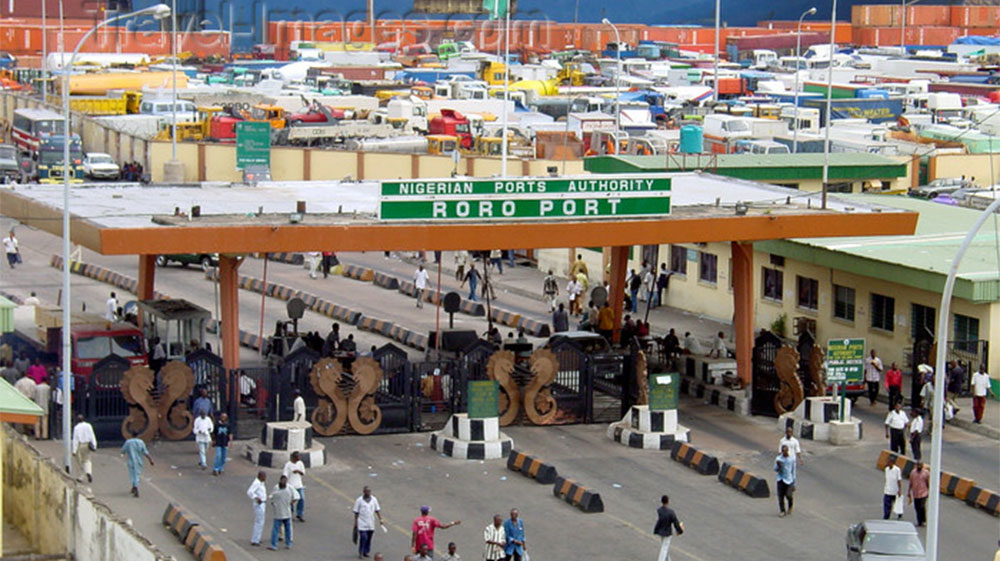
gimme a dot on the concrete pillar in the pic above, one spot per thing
(619, 266)
(229, 310)
(743, 308)
(147, 276)
(173, 171)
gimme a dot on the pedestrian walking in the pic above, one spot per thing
(28, 388)
(894, 384)
(329, 261)
(784, 466)
(918, 491)
(420, 283)
(956, 377)
(496, 260)
(314, 258)
(37, 371)
(461, 260)
(202, 404)
(916, 433)
(606, 321)
(980, 389)
(43, 398)
(135, 452)
(895, 429)
(294, 471)
(496, 540)
(111, 307)
(424, 554)
(793, 445)
(222, 439)
(573, 291)
(423, 528)
(666, 524)
(560, 319)
(550, 290)
(203, 428)
(472, 277)
(283, 499)
(662, 284)
(84, 443)
(10, 247)
(452, 554)
(578, 267)
(513, 528)
(298, 407)
(634, 284)
(648, 285)
(873, 375)
(892, 490)
(258, 499)
(366, 508)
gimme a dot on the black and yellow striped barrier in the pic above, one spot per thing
(744, 481)
(531, 467)
(694, 458)
(984, 499)
(577, 495)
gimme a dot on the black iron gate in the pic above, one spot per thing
(102, 403)
(573, 388)
(290, 374)
(805, 346)
(765, 382)
(923, 353)
(397, 395)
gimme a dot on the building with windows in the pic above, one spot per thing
(886, 290)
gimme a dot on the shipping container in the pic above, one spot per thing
(889, 36)
(975, 16)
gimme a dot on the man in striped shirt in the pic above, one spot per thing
(496, 540)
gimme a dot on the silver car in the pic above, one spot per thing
(884, 540)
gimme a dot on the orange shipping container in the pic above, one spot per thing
(889, 36)
(872, 15)
(975, 16)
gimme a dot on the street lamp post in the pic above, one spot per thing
(715, 59)
(618, 77)
(829, 102)
(159, 11)
(798, 57)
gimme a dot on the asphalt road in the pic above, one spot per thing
(837, 486)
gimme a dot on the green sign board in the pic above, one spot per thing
(613, 185)
(662, 392)
(483, 399)
(845, 360)
(253, 144)
(521, 199)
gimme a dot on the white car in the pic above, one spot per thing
(98, 165)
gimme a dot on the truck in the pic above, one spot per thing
(452, 123)
(38, 331)
(48, 164)
(330, 134)
(127, 103)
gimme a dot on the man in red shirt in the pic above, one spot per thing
(423, 529)
(894, 384)
(918, 491)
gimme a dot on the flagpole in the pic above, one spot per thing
(506, 90)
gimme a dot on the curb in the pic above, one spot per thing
(191, 534)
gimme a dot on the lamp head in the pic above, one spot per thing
(606, 21)
(811, 11)
(158, 11)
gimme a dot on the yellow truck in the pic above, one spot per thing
(126, 104)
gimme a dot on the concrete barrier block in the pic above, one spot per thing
(577, 495)
(984, 499)
(531, 467)
(744, 481)
(695, 459)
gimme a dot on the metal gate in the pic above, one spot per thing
(805, 346)
(102, 403)
(292, 373)
(765, 382)
(923, 353)
(208, 371)
(573, 388)
(398, 394)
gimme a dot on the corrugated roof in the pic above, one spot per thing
(758, 167)
(921, 260)
(800, 160)
(14, 407)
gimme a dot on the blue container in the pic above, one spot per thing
(691, 140)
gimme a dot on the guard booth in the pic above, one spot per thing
(176, 322)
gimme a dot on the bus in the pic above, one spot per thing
(31, 125)
(49, 161)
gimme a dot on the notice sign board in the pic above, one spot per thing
(662, 392)
(253, 144)
(521, 199)
(483, 399)
(845, 360)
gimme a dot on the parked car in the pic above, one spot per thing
(97, 165)
(884, 540)
(941, 186)
(9, 168)
(207, 261)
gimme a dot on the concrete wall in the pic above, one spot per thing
(217, 162)
(55, 515)
(969, 165)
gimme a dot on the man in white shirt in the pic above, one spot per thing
(32, 300)
(294, 470)
(420, 283)
(980, 389)
(11, 249)
(366, 508)
(719, 349)
(299, 407)
(28, 388)
(573, 291)
(916, 433)
(111, 308)
(258, 498)
(873, 375)
(314, 259)
(895, 427)
(794, 448)
(692, 345)
(892, 490)
(43, 397)
(203, 427)
(84, 442)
